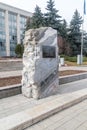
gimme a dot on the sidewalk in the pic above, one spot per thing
(10, 73)
(19, 112)
(62, 68)
(73, 118)
(19, 72)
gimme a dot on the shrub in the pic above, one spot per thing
(85, 59)
(19, 49)
(69, 58)
(72, 58)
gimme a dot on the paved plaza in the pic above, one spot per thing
(73, 118)
(17, 103)
(80, 67)
(10, 65)
(18, 107)
(15, 71)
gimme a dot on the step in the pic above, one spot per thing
(28, 117)
(12, 90)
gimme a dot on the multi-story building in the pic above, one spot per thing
(12, 25)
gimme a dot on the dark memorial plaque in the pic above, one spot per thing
(48, 52)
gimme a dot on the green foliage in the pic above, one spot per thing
(72, 58)
(74, 35)
(37, 20)
(28, 23)
(84, 59)
(52, 19)
(71, 36)
(68, 58)
(19, 49)
(49, 19)
(64, 30)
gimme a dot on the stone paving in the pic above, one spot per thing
(10, 65)
(82, 67)
(18, 103)
(73, 118)
(17, 70)
(10, 73)
(38, 111)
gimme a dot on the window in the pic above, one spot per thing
(2, 33)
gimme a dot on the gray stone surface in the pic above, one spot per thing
(72, 78)
(40, 64)
(73, 118)
(17, 111)
(16, 89)
(14, 104)
(10, 65)
(38, 111)
(10, 73)
(8, 91)
(81, 67)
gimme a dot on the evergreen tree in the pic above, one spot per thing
(28, 23)
(37, 19)
(65, 48)
(74, 36)
(52, 19)
(64, 29)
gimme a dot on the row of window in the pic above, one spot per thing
(12, 31)
(2, 13)
(2, 32)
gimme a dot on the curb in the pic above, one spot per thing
(33, 115)
(16, 89)
(72, 78)
(8, 91)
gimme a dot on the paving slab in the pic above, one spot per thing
(17, 70)
(19, 112)
(81, 67)
(67, 119)
(17, 103)
(10, 73)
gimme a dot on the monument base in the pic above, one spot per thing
(47, 87)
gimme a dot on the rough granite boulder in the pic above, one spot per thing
(40, 60)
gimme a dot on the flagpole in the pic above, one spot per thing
(82, 40)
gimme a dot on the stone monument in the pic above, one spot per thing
(40, 60)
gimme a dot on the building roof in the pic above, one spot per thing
(15, 10)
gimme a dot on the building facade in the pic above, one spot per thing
(12, 25)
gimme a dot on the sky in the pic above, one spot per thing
(66, 7)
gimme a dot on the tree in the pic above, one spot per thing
(85, 43)
(52, 19)
(64, 47)
(74, 36)
(37, 19)
(28, 23)
(64, 29)
(19, 49)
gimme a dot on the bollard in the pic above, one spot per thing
(62, 61)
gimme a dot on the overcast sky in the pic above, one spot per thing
(66, 7)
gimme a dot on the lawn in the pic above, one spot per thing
(68, 63)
